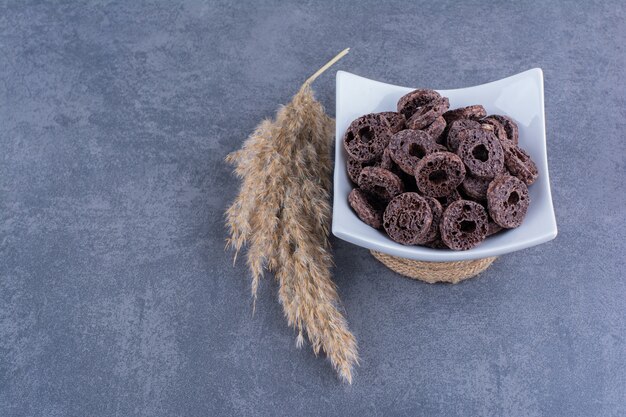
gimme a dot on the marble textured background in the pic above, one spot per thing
(116, 295)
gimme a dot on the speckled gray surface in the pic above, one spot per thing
(116, 295)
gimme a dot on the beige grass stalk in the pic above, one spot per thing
(282, 213)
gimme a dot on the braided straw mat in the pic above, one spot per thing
(432, 272)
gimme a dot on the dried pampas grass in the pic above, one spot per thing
(282, 213)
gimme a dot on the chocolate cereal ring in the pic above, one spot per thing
(354, 168)
(367, 137)
(436, 244)
(409, 103)
(474, 112)
(428, 113)
(512, 131)
(481, 153)
(436, 129)
(439, 173)
(453, 140)
(519, 163)
(368, 209)
(407, 147)
(381, 183)
(493, 227)
(508, 200)
(395, 120)
(493, 125)
(407, 219)
(437, 210)
(385, 161)
(463, 225)
(475, 188)
(446, 200)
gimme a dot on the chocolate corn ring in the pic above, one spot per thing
(454, 132)
(474, 112)
(512, 131)
(395, 120)
(381, 183)
(367, 208)
(410, 102)
(437, 211)
(508, 200)
(367, 137)
(463, 225)
(407, 219)
(439, 173)
(475, 188)
(492, 124)
(481, 153)
(519, 163)
(436, 129)
(446, 200)
(408, 147)
(428, 113)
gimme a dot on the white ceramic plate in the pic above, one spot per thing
(519, 96)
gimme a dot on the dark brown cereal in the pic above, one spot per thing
(395, 157)
(407, 219)
(492, 124)
(475, 188)
(493, 227)
(436, 129)
(381, 183)
(519, 163)
(481, 153)
(463, 225)
(437, 211)
(512, 131)
(474, 112)
(367, 137)
(407, 147)
(428, 113)
(396, 120)
(408, 180)
(354, 168)
(368, 209)
(385, 161)
(439, 173)
(454, 132)
(508, 201)
(446, 200)
(436, 244)
(408, 104)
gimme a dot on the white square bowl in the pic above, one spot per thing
(519, 96)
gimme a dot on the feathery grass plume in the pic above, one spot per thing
(282, 213)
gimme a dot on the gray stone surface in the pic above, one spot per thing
(116, 295)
